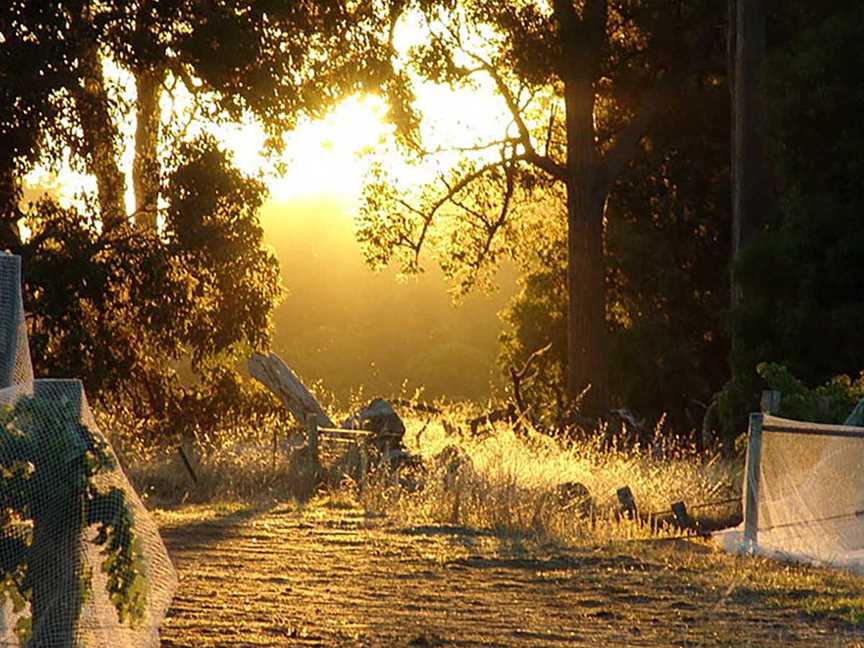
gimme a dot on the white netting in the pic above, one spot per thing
(810, 494)
(15, 366)
(81, 560)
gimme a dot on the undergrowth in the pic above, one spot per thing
(500, 479)
(507, 482)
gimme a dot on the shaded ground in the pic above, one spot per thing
(331, 576)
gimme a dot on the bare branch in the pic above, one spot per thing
(503, 212)
(475, 148)
(543, 162)
(453, 190)
(549, 129)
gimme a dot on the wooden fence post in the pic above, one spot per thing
(770, 403)
(364, 464)
(751, 480)
(312, 439)
(628, 503)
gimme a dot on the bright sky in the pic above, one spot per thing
(328, 157)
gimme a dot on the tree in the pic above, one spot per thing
(581, 83)
(667, 236)
(115, 295)
(800, 298)
(752, 190)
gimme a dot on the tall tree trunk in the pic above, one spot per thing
(145, 166)
(751, 186)
(100, 139)
(583, 41)
(587, 362)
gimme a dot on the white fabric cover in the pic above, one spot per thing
(65, 415)
(810, 495)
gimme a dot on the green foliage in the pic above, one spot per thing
(802, 299)
(501, 193)
(49, 464)
(828, 403)
(116, 307)
(667, 241)
(119, 305)
(473, 213)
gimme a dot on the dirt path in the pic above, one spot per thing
(334, 577)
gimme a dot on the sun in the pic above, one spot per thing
(326, 157)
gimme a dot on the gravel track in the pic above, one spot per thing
(332, 576)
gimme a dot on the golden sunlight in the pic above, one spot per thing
(323, 157)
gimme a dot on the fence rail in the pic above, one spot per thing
(825, 430)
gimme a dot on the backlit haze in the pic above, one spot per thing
(339, 322)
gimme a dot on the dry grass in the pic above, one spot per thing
(497, 480)
(506, 482)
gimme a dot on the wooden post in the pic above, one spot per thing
(276, 376)
(683, 520)
(627, 502)
(770, 403)
(364, 464)
(15, 366)
(823, 407)
(186, 450)
(10, 284)
(312, 439)
(751, 480)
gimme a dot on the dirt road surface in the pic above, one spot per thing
(333, 576)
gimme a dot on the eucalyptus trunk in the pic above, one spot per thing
(587, 347)
(587, 361)
(100, 139)
(145, 166)
(751, 186)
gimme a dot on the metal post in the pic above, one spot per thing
(10, 293)
(751, 480)
(770, 403)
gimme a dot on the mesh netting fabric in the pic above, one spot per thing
(81, 560)
(15, 366)
(810, 494)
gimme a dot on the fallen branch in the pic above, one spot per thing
(276, 376)
(517, 376)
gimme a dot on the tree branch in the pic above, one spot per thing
(543, 162)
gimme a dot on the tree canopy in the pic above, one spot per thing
(116, 294)
(583, 85)
(801, 299)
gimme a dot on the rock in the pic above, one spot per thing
(576, 496)
(381, 419)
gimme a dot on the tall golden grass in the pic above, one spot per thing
(507, 481)
(501, 479)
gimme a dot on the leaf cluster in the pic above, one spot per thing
(115, 307)
(830, 402)
(801, 297)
